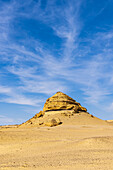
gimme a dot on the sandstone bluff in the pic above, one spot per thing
(61, 101)
(61, 109)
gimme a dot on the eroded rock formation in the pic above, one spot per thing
(61, 101)
(56, 110)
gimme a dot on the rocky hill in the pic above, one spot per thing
(62, 109)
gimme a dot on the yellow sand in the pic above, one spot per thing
(84, 144)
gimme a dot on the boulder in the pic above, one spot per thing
(52, 122)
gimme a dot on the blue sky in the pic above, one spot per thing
(55, 45)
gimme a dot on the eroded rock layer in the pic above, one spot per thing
(61, 101)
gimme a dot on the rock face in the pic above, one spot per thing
(58, 109)
(61, 101)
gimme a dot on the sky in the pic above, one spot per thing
(55, 45)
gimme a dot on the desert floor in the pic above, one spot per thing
(65, 147)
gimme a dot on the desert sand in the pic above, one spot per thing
(81, 141)
(61, 147)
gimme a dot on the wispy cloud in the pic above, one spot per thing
(15, 96)
(37, 67)
(5, 90)
(31, 79)
(5, 120)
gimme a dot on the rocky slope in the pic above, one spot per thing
(62, 109)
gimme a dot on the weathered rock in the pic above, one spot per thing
(80, 108)
(67, 113)
(41, 113)
(52, 122)
(41, 122)
(58, 106)
(61, 101)
(31, 121)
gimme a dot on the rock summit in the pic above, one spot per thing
(61, 101)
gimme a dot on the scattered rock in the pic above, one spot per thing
(40, 114)
(68, 113)
(52, 122)
(41, 122)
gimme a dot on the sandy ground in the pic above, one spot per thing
(65, 147)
